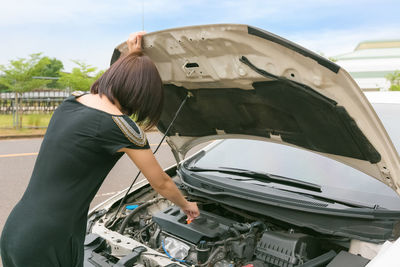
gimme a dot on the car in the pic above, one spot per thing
(299, 168)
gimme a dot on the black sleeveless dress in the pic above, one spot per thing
(47, 227)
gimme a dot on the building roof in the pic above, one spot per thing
(371, 54)
(373, 50)
(371, 62)
(376, 44)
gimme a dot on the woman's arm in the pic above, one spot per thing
(160, 181)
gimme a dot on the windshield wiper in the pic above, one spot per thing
(261, 176)
(336, 200)
(267, 177)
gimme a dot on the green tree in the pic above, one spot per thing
(81, 78)
(2, 86)
(17, 77)
(51, 67)
(394, 79)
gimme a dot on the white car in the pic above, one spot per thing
(304, 172)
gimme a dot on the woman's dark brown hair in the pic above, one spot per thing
(134, 81)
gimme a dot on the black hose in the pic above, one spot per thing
(259, 224)
(213, 256)
(245, 227)
(224, 241)
(242, 227)
(134, 212)
(234, 231)
(144, 229)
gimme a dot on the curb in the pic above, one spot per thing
(21, 136)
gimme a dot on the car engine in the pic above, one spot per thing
(220, 236)
(215, 239)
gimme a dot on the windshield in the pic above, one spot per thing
(335, 178)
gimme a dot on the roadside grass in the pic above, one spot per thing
(28, 120)
(32, 124)
(5, 133)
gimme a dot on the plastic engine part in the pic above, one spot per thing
(206, 226)
(286, 249)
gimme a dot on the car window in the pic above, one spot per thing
(336, 178)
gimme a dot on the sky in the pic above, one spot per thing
(88, 30)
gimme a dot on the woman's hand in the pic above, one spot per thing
(135, 41)
(191, 210)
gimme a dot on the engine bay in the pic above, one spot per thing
(151, 231)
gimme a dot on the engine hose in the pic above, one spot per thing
(223, 242)
(212, 257)
(144, 229)
(234, 231)
(246, 227)
(242, 227)
(134, 212)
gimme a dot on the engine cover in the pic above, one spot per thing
(207, 226)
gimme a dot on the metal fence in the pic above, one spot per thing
(34, 108)
(32, 102)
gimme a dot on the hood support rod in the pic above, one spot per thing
(111, 222)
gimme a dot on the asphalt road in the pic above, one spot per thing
(17, 158)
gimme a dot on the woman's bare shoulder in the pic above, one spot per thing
(100, 103)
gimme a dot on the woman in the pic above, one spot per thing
(85, 138)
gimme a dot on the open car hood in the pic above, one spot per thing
(243, 82)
